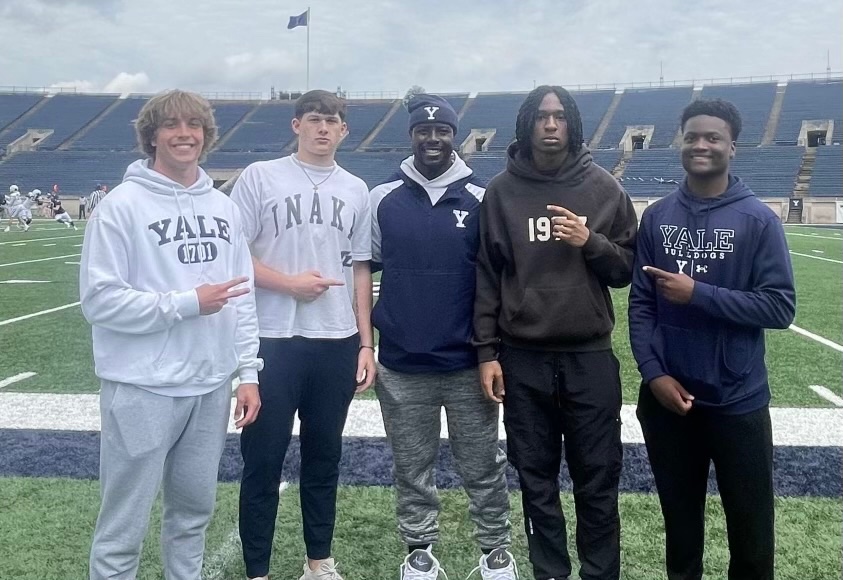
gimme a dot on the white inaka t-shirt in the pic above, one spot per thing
(292, 229)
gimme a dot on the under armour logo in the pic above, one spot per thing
(702, 269)
(681, 264)
(430, 112)
(460, 215)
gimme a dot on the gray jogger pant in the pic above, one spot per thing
(411, 404)
(151, 441)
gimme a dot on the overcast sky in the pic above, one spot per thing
(389, 45)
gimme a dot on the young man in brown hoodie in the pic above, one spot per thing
(556, 231)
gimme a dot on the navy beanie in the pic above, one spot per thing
(432, 109)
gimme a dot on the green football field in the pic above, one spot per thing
(46, 523)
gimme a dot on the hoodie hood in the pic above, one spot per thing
(572, 172)
(141, 173)
(458, 170)
(736, 191)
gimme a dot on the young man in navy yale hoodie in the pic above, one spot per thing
(424, 237)
(556, 231)
(712, 272)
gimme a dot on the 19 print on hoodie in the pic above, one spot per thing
(146, 248)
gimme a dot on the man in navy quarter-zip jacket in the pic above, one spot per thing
(425, 236)
(556, 231)
(712, 271)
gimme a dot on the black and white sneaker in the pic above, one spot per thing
(499, 564)
(421, 565)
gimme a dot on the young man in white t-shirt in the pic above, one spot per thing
(308, 224)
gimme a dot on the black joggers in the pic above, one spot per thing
(315, 377)
(681, 449)
(575, 395)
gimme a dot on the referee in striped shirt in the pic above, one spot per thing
(96, 197)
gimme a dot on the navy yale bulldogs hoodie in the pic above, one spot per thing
(537, 292)
(424, 236)
(734, 248)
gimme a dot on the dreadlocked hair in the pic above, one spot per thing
(529, 111)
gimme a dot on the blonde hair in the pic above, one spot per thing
(174, 104)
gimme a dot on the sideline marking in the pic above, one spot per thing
(816, 257)
(34, 314)
(815, 236)
(16, 378)
(827, 394)
(42, 239)
(53, 258)
(24, 281)
(817, 337)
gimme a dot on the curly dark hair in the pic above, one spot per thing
(715, 108)
(528, 112)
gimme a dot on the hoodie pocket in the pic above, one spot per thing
(710, 365)
(569, 314)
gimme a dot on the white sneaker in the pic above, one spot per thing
(421, 565)
(327, 571)
(7, 229)
(498, 564)
(26, 228)
(259, 578)
(67, 225)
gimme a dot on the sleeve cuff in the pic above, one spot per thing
(593, 245)
(249, 375)
(652, 369)
(702, 295)
(187, 304)
(487, 353)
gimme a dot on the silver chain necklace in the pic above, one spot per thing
(310, 179)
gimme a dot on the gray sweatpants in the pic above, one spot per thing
(411, 406)
(149, 440)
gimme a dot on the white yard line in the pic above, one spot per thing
(34, 314)
(43, 239)
(73, 263)
(800, 427)
(40, 260)
(817, 337)
(16, 379)
(217, 561)
(48, 245)
(816, 257)
(827, 394)
(814, 236)
(16, 245)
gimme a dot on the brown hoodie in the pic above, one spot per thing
(534, 291)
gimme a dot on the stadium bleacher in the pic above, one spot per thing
(827, 177)
(14, 105)
(268, 129)
(115, 131)
(102, 151)
(754, 103)
(658, 107)
(65, 114)
(808, 101)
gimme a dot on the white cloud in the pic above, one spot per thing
(128, 83)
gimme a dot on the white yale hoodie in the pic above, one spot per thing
(150, 243)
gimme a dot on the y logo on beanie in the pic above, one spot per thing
(431, 109)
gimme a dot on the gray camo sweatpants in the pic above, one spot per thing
(411, 404)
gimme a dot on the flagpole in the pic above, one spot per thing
(307, 83)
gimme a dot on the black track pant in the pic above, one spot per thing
(575, 395)
(681, 449)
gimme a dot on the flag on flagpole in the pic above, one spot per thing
(296, 21)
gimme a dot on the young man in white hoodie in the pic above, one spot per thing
(308, 224)
(425, 237)
(165, 282)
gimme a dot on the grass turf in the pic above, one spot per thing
(46, 526)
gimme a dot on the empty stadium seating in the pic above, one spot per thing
(361, 119)
(75, 171)
(754, 103)
(115, 131)
(492, 111)
(659, 107)
(65, 114)
(14, 105)
(808, 101)
(593, 106)
(268, 129)
(827, 177)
